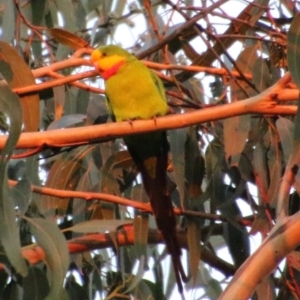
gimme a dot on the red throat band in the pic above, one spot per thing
(112, 71)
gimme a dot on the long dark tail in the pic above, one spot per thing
(152, 160)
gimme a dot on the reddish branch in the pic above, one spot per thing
(125, 237)
(88, 196)
(51, 71)
(266, 103)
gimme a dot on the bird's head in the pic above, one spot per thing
(108, 59)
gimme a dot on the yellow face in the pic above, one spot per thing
(104, 62)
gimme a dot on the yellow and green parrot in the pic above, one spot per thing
(135, 92)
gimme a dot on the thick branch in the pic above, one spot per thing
(264, 103)
(283, 238)
(125, 237)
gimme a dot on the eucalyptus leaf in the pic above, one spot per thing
(100, 226)
(194, 237)
(9, 233)
(293, 49)
(68, 14)
(7, 20)
(67, 122)
(136, 279)
(285, 129)
(35, 285)
(18, 74)
(21, 193)
(53, 242)
(177, 140)
(236, 130)
(68, 38)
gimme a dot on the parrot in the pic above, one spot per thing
(135, 92)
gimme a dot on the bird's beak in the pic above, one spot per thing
(96, 55)
(96, 66)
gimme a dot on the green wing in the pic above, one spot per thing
(110, 110)
(159, 85)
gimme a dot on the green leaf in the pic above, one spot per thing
(76, 291)
(141, 229)
(18, 74)
(236, 130)
(285, 129)
(65, 173)
(261, 74)
(194, 166)
(244, 62)
(68, 38)
(109, 179)
(68, 14)
(7, 20)
(136, 279)
(9, 232)
(293, 49)
(21, 193)
(177, 144)
(53, 242)
(38, 11)
(260, 165)
(193, 237)
(68, 121)
(100, 226)
(35, 285)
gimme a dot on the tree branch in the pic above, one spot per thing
(125, 237)
(283, 238)
(264, 103)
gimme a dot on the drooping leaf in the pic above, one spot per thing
(141, 228)
(53, 242)
(18, 74)
(260, 166)
(177, 144)
(109, 173)
(136, 279)
(261, 74)
(66, 9)
(245, 61)
(236, 130)
(38, 11)
(21, 193)
(261, 223)
(7, 21)
(274, 156)
(68, 38)
(12, 291)
(100, 226)
(140, 224)
(293, 49)
(194, 166)
(67, 121)
(35, 285)
(75, 290)
(96, 111)
(9, 234)
(64, 174)
(194, 237)
(285, 129)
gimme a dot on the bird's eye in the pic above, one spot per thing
(104, 54)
